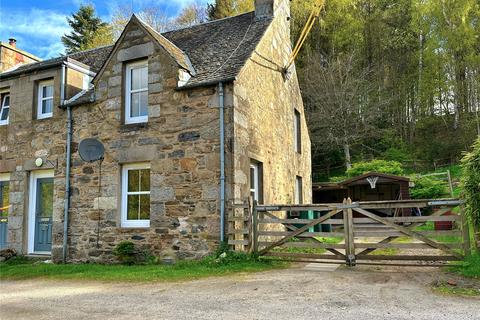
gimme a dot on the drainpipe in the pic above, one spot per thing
(66, 204)
(222, 162)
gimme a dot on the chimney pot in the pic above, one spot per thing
(12, 42)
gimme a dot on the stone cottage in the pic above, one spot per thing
(190, 120)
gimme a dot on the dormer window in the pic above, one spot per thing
(45, 99)
(136, 99)
(5, 108)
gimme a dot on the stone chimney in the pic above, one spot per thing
(270, 8)
(12, 42)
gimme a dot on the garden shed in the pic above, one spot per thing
(371, 186)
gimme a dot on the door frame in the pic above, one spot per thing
(32, 204)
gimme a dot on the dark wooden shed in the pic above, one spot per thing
(372, 186)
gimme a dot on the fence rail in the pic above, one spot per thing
(351, 232)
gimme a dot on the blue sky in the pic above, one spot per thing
(39, 25)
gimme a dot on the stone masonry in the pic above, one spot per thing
(180, 141)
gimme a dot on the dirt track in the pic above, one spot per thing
(299, 293)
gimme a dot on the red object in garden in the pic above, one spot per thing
(444, 225)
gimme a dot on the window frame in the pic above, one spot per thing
(297, 131)
(298, 190)
(41, 98)
(125, 223)
(128, 91)
(4, 96)
(257, 180)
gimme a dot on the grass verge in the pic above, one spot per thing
(469, 268)
(449, 290)
(21, 268)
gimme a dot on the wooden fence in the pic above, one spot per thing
(352, 233)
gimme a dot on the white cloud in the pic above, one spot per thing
(37, 31)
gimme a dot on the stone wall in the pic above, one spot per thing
(265, 101)
(23, 140)
(181, 143)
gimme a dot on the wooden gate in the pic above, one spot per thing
(353, 233)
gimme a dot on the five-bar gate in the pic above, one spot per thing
(353, 233)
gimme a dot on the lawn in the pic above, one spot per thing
(22, 268)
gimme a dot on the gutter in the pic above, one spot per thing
(222, 161)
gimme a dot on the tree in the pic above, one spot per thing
(84, 24)
(102, 37)
(154, 16)
(192, 14)
(471, 184)
(227, 8)
(338, 113)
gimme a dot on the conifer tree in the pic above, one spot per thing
(85, 24)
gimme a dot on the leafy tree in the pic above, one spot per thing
(471, 183)
(427, 188)
(227, 8)
(380, 166)
(102, 37)
(85, 24)
(192, 14)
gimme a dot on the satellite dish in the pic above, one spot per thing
(91, 150)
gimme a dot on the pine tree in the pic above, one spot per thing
(84, 24)
(227, 8)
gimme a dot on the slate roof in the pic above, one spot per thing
(216, 50)
(93, 58)
(219, 49)
(179, 56)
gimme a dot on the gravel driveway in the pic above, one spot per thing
(306, 292)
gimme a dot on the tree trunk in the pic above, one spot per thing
(348, 160)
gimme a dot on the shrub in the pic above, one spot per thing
(427, 188)
(125, 252)
(380, 166)
(471, 183)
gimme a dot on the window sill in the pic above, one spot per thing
(135, 225)
(44, 117)
(133, 126)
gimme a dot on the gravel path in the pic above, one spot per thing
(307, 292)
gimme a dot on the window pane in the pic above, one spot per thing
(133, 180)
(4, 115)
(6, 101)
(252, 178)
(139, 78)
(144, 180)
(135, 104)
(47, 91)
(45, 197)
(145, 206)
(47, 106)
(132, 207)
(143, 108)
(4, 193)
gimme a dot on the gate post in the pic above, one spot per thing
(255, 227)
(349, 238)
(467, 250)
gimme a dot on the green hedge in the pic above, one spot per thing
(471, 183)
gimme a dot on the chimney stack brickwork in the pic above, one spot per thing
(11, 56)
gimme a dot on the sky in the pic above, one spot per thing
(39, 25)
